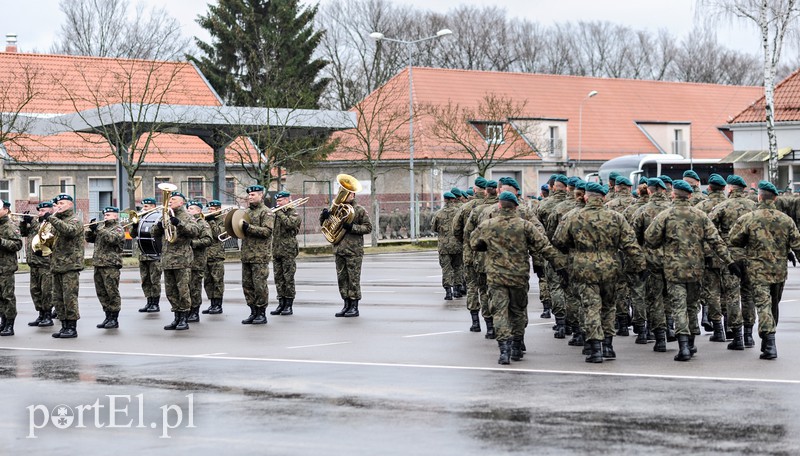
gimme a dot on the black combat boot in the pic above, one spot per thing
(587, 347)
(183, 321)
(738, 340)
(749, 342)
(57, 335)
(261, 316)
(650, 335)
(546, 312)
(457, 292)
(505, 349)
(641, 336)
(704, 321)
(671, 330)
(489, 328)
(113, 320)
(683, 348)
(70, 331)
(174, 323)
(476, 321)
(516, 348)
(216, 306)
(595, 351)
(210, 306)
(193, 316)
(567, 330)
(728, 331)
(104, 322)
(622, 326)
(561, 324)
(8, 328)
(53, 313)
(47, 319)
(448, 293)
(154, 307)
(353, 310)
(577, 337)
(692, 347)
(38, 319)
(608, 348)
(661, 340)
(769, 351)
(719, 332)
(287, 308)
(347, 304)
(147, 306)
(279, 309)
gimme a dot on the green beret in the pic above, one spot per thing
(149, 201)
(44, 204)
(622, 180)
(562, 178)
(282, 194)
(6, 203)
(196, 203)
(692, 174)
(449, 195)
(642, 180)
(544, 188)
(767, 185)
(656, 182)
(553, 177)
(215, 203)
(470, 192)
(605, 188)
(456, 192)
(177, 193)
(681, 184)
(613, 175)
(716, 179)
(108, 209)
(508, 196)
(254, 188)
(666, 179)
(480, 182)
(509, 181)
(734, 179)
(62, 196)
(594, 187)
(491, 184)
(581, 185)
(572, 181)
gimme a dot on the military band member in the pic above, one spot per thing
(10, 244)
(200, 246)
(256, 255)
(449, 247)
(462, 235)
(176, 258)
(66, 263)
(711, 290)
(41, 285)
(476, 216)
(149, 268)
(108, 237)
(214, 276)
(284, 251)
(693, 179)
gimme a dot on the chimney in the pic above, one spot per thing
(11, 42)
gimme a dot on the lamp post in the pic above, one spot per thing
(378, 36)
(580, 123)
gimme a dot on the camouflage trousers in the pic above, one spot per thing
(348, 274)
(284, 269)
(748, 304)
(767, 297)
(509, 311)
(684, 297)
(544, 289)
(214, 279)
(196, 287)
(8, 301)
(451, 269)
(150, 271)
(41, 288)
(254, 284)
(731, 297)
(710, 293)
(473, 293)
(556, 288)
(106, 287)
(573, 306)
(65, 294)
(622, 298)
(177, 283)
(637, 288)
(654, 292)
(599, 309)
(485, 296)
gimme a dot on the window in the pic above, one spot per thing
(554, 143)
(159, 194)
(678, 144)
(229, 195)
(5, 190)
(494, 133)
(33, 186)
(65, 185)
(195, 188)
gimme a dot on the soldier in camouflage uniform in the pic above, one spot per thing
(176, 259)
(108, 238)
(668, 182)
(476, 216)
(285, 250)
(622, 200)
(41, 285)
(256, 255)
(691, 178)
(470, 275)
(449, 248)
(509, 241)
(200, 245)
(767, 237)
(712, 311)
(10, 244)
(214, 276)
(149, 267)
(66, 263)
(684, 231)
(562, 327)
(591, 237)
(555, 287)
(642, 198)
(349, 255)
(724, 216)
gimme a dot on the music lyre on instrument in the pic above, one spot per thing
(340, 213)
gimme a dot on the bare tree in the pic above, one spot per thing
(104, 28)
(20, 84)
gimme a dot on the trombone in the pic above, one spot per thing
(134, 217)
(291, 204)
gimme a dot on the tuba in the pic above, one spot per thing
(170, 231)
(340, 213)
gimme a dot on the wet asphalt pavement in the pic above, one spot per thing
(407, 377)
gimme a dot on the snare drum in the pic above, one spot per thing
(149, 245)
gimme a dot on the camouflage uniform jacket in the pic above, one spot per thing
(476, 217)
(460, 222)
(528, 213)
(29, 230)
(630, 210)
(593, 237)
(725, 214)
(108, 239)
(10, 244)
(284, 236)
(508, 241)
(621, 202)
(352, 244)
(557, 214)
(547, 206)
(642, 219)
(767, 235)
(216, 251)
(178, 254)
(68, 248)
(443, 225)
(713, 199)
(683, 231)
(697, 195)
(257, 242)
(200, 244)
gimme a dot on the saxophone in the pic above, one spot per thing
(340, 213)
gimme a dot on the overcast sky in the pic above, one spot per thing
(36, 22)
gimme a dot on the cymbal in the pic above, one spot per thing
(238, 218)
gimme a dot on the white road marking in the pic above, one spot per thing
(378, 291)
(433, 334)
(541, 324)
(421, 366)
(433, 276)
(320, 345)
(208, 354)
(790, 300)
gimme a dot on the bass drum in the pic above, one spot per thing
(149, 245)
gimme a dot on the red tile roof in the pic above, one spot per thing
(609, 128)
(787, 103)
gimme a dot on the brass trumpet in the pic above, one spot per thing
(291, 204)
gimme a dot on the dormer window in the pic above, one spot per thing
(494, 134)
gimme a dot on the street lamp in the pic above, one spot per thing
(580, 123)
(378, 36)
